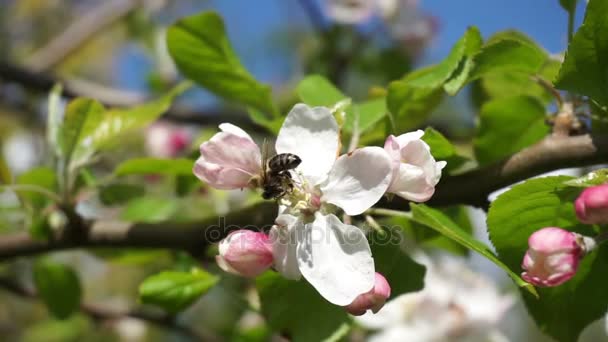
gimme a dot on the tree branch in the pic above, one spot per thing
(470, 188)
(79, 32)
(112, 97)
(191, 237)
(552, 153)
(103, 313)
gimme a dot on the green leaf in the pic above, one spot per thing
(155, 166)
(435, 219)
(117, 121)
(273, 125)
(403, 274)
(508, 55)
(81, 119)
(442, 149)
(316, 90)
(200, 48)
(174, 291)
(508, 84)
(412, 99)
(460, 76)
(59, 288)
(411, 105)
(149, 209)
(585, 67)
(562, 311)
(295, 309)
(507, 125)
(41, 177)
(368, 113)
(593, 178)
(453, 65)
(39, 227)
(120, 193)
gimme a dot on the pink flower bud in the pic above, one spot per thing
(553, 256)
(229, 159)
(165, 140)
(592, 205)
(245, 253)
(373, 300)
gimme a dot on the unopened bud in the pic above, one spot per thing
(373, 300)
(592, 205)
(553, 256)
(245, 253)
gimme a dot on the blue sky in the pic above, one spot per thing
(543, 20)
(261, 30)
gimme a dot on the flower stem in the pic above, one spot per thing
(571, 15)
(388, 212)
(372, 223)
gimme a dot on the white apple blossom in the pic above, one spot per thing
(456, 304)
(357, 11)
(415, 170)
(308, 239)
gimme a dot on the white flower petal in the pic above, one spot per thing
(358, 180)
(284, 237)
(313, 135)
(410, 182)
(230, 128)
(336, 259)
(404, 139)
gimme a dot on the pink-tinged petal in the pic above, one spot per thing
(358, 180)
(406, 138)
(284, 238)
(415, 171)
(553, 256)
(552, 239)
(313, 135)
(245, 253)
(592, 205)
(373, 300)
(230, 128)
(229, 159)
(336, 260)
(220, 177)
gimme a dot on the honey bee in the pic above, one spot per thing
(276, 180)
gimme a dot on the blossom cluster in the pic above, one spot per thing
(456, 304)
(403, 20)
(554, 254)
(308, 239)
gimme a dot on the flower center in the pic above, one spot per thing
(304, 198)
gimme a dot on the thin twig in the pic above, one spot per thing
(99, 312)
(79, 32)
(32, 188)
(549, 87)
(111, 97)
